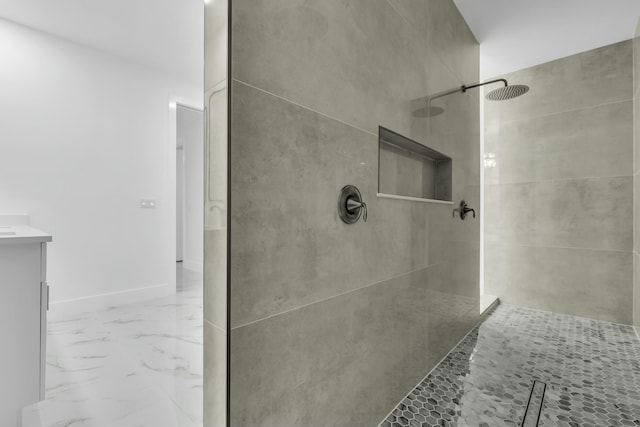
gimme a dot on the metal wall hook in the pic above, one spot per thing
(463, 210)
(351, 206)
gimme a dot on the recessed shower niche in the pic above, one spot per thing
(412, 171)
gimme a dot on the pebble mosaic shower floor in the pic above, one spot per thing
(591, 370)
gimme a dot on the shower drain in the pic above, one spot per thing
(534, 405)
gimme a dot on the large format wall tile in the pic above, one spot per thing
(460, 112)
(215, 375)
(289, 246)
(636, 106)
(415, 13)
(458, 272)
(452, 40)
(357, 61)
(492, 211)
(636, 178)
(636, 291)
(359, 347)
(595, 77)
(636, 248)
(636, 213)
(583, 213)
(450, 318)
(456, 133)
(581, 282)
(636, 60)
(636, 133)
(442, 28)
(215, 277)
(590, 142)
(344, 361)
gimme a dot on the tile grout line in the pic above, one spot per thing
(427, 44)
(562, 247)
(215, 326)
(326, 299)
(305, 107)
(483, 316)
(556, 113)
(543, 181)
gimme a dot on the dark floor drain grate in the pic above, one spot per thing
(534, 405)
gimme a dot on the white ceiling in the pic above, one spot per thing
(168, 34)
(516, 34)
(164, 34)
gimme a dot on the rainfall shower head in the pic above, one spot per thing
(502, 93)
(507, 92)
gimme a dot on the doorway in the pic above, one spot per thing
(189, 187)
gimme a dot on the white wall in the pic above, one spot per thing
(190, 135)
(179, 201)
(83, 136)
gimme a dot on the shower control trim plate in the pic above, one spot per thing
(351, 206)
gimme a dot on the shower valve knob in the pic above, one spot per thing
(463, 210)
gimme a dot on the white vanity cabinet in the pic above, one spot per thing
(23, 319)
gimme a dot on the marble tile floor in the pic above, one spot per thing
(591, 370)
(128, 366)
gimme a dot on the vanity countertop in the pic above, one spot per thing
(14, 234)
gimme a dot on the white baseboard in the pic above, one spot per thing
(111, 299)
(192, 265)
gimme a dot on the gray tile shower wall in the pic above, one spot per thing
(636, 179)
(321, 312)
(559, 200)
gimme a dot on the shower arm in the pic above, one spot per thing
(463, 89)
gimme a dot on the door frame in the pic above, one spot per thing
(172, 144)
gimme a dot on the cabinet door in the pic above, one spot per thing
(20, 325)
(44, 306)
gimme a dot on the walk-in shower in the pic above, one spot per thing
(315, 319)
